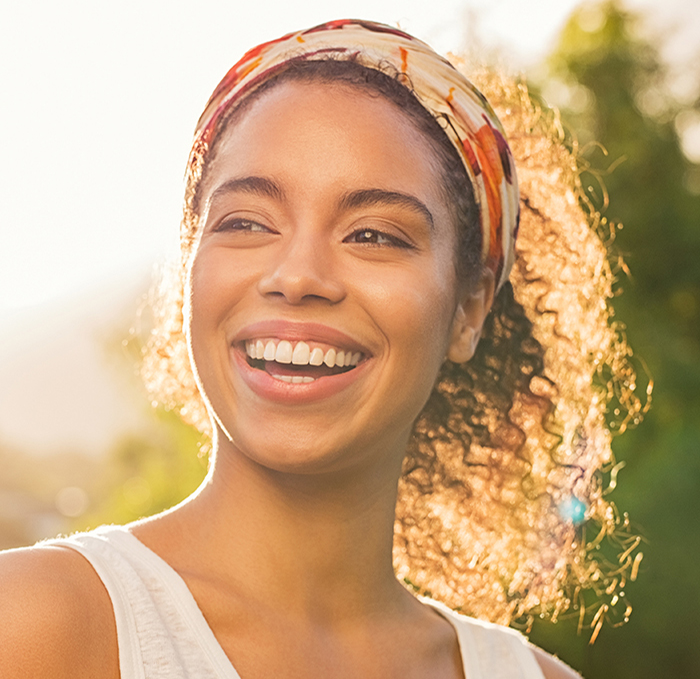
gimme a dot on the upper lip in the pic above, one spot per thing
(299, 331)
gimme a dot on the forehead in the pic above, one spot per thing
(337, 132)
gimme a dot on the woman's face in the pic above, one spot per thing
(322, 291)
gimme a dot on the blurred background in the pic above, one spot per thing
(98, 106)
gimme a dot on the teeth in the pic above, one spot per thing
(301, 354)
(270, 349)
(294, 379)
(283, 351)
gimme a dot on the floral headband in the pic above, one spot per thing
(471, 124)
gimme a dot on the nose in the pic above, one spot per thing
(303, 271)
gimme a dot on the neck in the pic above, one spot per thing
(303, 541)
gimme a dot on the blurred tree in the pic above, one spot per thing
(614, 90)
(156, 467)
(149, 472)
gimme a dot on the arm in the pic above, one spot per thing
(56, 617)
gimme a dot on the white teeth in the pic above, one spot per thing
(269, 353)
(284, 352)
(301, 354)
(294, 379)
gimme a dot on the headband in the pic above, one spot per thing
(468, 119)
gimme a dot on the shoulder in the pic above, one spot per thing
(56, 617)
(553, 668)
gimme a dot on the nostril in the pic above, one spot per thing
(303, 269)
(300, 288)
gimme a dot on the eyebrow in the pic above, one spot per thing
(260, 186)
(370, 197)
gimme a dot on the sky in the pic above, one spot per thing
(97, 112)
(100, 100)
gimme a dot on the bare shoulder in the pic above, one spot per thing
(552, 667)
(56, 617)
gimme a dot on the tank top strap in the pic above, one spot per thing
(161, 631)
(490, 651)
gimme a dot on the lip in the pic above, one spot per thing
(295, 332)
(267, 387)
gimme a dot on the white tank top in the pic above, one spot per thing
(162, 633)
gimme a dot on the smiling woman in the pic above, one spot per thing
(353, 251)
(391, 386)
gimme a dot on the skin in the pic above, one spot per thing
(287, 545)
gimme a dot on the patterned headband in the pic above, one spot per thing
(470, 122)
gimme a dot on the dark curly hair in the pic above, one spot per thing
(503, 480)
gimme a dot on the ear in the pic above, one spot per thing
(469, 317)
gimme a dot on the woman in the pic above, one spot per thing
(350, 218)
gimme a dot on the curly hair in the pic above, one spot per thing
(503, 480)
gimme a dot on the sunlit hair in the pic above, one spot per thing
(502, 504)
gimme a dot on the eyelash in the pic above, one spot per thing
(240, 224)
(391, 241)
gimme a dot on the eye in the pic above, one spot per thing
(375, 237)
(240, 224)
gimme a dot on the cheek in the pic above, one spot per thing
(204, 292)
(211, 291)
(424, 324)
(196, 315)
(215, 283)
(434, 302)
(428, 326)
(415, 308)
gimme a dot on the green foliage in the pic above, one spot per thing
(648, 186)
(150, 472)
(616, 92)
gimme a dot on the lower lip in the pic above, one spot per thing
(271, 389)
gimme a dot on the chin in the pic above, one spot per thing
(308, 453)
